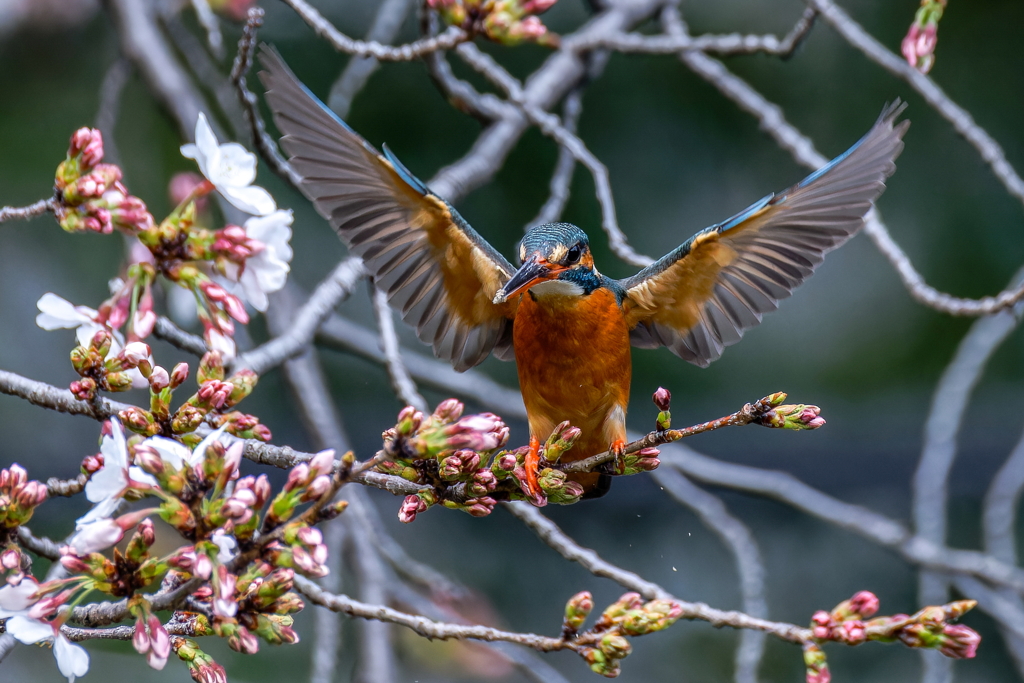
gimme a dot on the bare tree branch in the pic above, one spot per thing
(552, 127)
(335, 288)
(451, 37)
(386, 24)
(175, 336)
(25, 212)
(401, 382)
(61, 400)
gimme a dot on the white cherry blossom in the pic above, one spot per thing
(231, 168)
(116, 474)
(72, 660)
(267, 270)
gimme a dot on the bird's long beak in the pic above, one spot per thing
(535, 269)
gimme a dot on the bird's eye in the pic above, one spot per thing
(574, 254)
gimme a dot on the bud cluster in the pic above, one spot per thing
(509, 22)
(90, 194)
(100, 369)
(789, 416)
(450, 452)
(19, 497)
(606, 643)
(201, 666)
(918, 45)
(214, 396)
(849, 622)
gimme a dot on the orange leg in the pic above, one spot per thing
(618, 449)
(531, 464)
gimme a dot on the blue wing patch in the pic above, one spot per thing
(405, 174)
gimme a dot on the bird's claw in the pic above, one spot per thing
(618, 449)
(531, 465)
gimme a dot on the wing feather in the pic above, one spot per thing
(701, 297)
(436, 270)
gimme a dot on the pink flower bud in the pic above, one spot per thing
(17, 476)
(262, 490)
(73, 563)
(31, 494)
(140, 639)
(322, 462)
(309, 536)
(144, 323)
(136, 352)
(959, 641)
(236, 309)
(864, 604)
(448, 410)
(663, 399)
(320, 486)
(262, 432)
(178, 375)
(853, 632)
(203, 566)
(298, 476)
(89, 143)
(159, 379)
(10, 559)
(411, 506)
(182, 185)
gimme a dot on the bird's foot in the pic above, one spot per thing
(531, 464)
(618, 449)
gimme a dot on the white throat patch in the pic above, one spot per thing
(556, 288)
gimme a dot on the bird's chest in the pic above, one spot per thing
(573, 356)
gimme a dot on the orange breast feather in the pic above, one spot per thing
(573, 358)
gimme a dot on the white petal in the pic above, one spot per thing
(235, 166)
(195, 459)
(138, 381)
(56, 313)
(27, 630)
(16, 599)
(172, 452)
(107, 483)
(97, 536)
(222, 343)
(228, 547)
(251, 199)
(72, 660)
(137, 475)
(272, 228)
(189, 151)
(254, 293)
(206, 140)
(102, 510)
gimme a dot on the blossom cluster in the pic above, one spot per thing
(849, 622)
(459, 461)
(509, 22)
(242, 547)
(221, 270)
(606, 643)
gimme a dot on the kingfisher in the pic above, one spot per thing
(569, 328)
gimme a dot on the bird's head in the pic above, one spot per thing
(555, 253)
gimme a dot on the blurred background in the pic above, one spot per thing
(680, 157)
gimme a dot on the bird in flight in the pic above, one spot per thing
(569, 327)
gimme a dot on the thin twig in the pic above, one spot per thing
(872, 525)
(335, 288)
(421, 625)
(344, 335)
(559, 74)
(386, 24)
(565, 546)
(550, 125)
(178, 338)
(451, 37)
(728, 44)
(40, 545)
(54, 398)
(25, 212)
(261, 139)
(401, 382)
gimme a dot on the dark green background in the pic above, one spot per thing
(680, 157)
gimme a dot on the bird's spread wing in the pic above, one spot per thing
(437, 271)
(700, 298)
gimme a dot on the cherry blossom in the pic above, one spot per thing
(230, 168)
